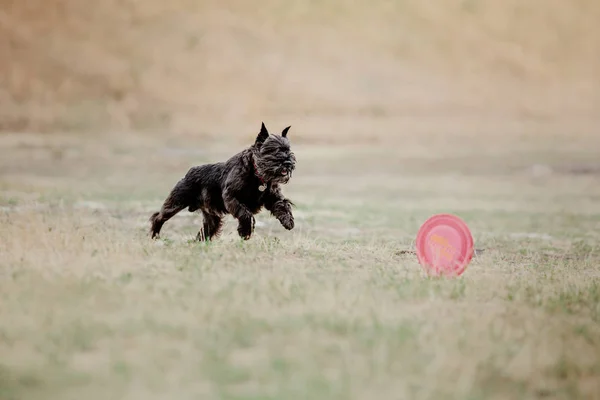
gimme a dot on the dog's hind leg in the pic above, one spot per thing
(175, 202)
(211, 227)
(159, 218)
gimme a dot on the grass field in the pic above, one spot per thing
(91, 308)
(400, 109)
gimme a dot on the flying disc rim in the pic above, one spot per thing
(445, 245)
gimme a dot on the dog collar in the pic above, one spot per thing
(263, 185)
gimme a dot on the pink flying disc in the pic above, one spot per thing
(445, 245)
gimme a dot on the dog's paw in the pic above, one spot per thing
(287, 221)
(244, 235)
(245, 228)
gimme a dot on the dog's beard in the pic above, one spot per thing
(275, 171)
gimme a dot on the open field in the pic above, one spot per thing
(399, 109)
(92, 308)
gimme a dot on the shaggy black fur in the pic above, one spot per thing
(240, 186)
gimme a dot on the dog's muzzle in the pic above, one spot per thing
(287, 169)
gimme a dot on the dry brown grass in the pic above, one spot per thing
(91, 308)
(211, 68)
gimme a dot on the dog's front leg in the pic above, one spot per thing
(280, 207)
(241, 213)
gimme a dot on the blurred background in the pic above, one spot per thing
(337, 71)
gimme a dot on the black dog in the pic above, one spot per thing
(240, 186)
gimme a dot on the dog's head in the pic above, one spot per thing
(275, 162)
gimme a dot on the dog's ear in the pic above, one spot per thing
(262, 136)
(285, 131)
